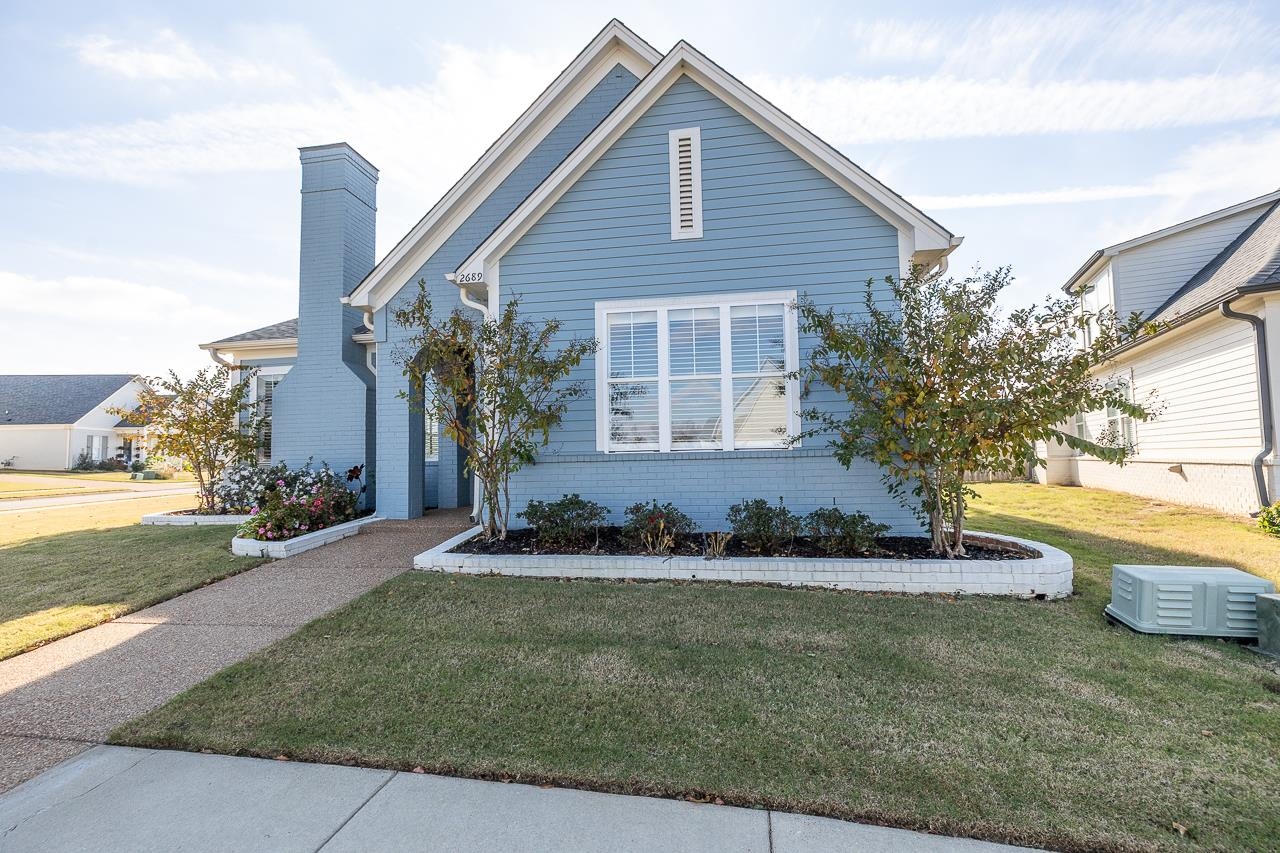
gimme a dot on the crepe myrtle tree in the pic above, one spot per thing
(940, 383)
(207, 421)
(497, 386)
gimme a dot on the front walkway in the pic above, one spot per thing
(116, 798)
(61, 699)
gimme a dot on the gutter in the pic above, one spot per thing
(477, 487)
(1264, 397)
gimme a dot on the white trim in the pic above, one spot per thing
(932, 242)
(662, 307)
(674, 138)
(614, 45)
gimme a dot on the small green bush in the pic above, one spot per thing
(653, 527)
(763, 528)
(838, 532)
(567, 522)
(1269, 520)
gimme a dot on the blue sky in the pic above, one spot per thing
(149, 170)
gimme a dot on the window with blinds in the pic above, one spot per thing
(266, 389)
(685, 154)
(706, 374)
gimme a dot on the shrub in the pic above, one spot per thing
(285, 514)
(1269, 520)
(567, 522)
(112, 465)
(763, 528)
(653, 527)
(84, 462)
(838, 532)
(245, 486)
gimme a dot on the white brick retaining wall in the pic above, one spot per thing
(242, 547)
(1048, 576)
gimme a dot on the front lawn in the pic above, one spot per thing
(66, 569)
(1018, 721)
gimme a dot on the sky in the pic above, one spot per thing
(149, 166)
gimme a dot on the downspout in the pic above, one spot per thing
(477, 488)
(1264, 397)
(218, 359)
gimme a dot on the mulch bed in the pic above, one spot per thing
(612, 543)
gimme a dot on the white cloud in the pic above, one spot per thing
(166, 57)
(1068, 41)
(848, 110)
(1230, 168)
(103, 324)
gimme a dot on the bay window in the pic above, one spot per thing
(697, 373)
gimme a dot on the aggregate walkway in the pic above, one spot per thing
(63, 698)
(114, 798)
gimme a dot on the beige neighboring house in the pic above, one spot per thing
(48, 421)
(1214, 284)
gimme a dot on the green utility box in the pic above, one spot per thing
(1193, 601)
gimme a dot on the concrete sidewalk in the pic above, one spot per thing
(60, 699)
(123, 799)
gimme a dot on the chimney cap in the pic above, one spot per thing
(320, 152)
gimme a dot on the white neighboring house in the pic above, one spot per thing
(47, 422)
(1214, 284)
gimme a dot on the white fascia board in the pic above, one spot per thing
(613, 46)
(267, 343)
(927, 235)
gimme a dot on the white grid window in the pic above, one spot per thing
(705, 373)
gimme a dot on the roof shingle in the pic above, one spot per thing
(54, 399)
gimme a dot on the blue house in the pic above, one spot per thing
(652, 201)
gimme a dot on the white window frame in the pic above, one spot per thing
(1123, 424)
(662, 305)
(277, 372)
(694, 135)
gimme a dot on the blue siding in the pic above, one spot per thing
(400, 436)
(770, 222)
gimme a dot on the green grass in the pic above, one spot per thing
(1027, 722)
(65, 580)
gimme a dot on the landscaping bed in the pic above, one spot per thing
(193, 518)
(613, 542)
(1029, 723)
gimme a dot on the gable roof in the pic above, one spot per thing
(1251, 261)
(928, 241)
(55, 399)
(286, 330)
(1094, 263)
(614, 45)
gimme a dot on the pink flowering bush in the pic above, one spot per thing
(287, 513)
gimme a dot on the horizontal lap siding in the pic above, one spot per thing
(770, 222)
(1146, 276)
(405, 482)
(1205, 378)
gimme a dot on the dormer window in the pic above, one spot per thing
(685, 154)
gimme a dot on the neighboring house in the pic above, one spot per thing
(48, 422)
(1213, 285)
(652, 201)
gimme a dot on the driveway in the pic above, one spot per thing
(115, 798)
(61, 699)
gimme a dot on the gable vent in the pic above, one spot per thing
(685, 150)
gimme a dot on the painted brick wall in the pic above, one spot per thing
(400, 436)
(324, 407)
(1225, 487)
(770, 222)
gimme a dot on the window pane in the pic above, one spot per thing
(759, 343)
(694, 340)
(695, 413)
(633, 414)
(759, 411)
(633, 344)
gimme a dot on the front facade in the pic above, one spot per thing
(1212, 286)
(56, 422)
(650, 201)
